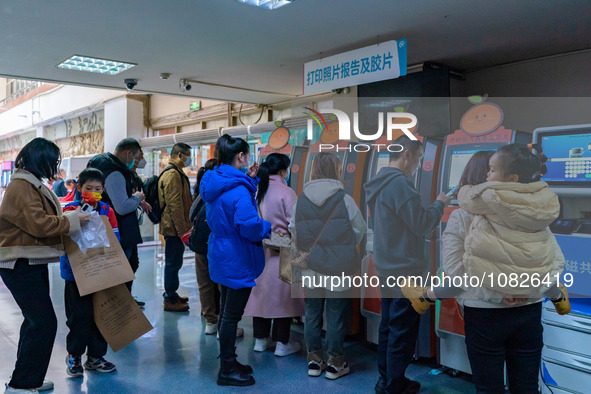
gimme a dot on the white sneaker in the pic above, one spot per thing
(262, 344)
(285, 350)
(333, 372)
(211, 328)
(46, 386)
(13, 390)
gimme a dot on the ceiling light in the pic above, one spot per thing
(95, 65)
(270, 4)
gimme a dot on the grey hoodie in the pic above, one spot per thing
(400, 223)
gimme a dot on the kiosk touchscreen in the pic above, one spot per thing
(566, 356)
(458, 148)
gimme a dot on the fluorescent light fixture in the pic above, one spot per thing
(95, 65)
(270, 4)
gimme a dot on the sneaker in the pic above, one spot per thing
(175, 306)
(417, 297)
(315, 368)
(74, 368)
(285, 350)
(380, 387)
(99, 364)
(46, 386)
(562, 304)
(13, 390)
(262, 344)
(333, 372)
(211, 328)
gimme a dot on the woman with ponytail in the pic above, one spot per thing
(270, 302)
(235, 250)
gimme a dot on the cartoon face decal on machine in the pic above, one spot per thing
(482, 118)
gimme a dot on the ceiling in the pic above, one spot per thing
(229, 43)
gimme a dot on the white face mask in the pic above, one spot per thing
(142, 163)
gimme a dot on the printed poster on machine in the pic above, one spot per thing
(99, 268)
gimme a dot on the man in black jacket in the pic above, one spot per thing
(119, 194)
(400, 226)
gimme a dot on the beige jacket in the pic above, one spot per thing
(509, 233)
(31, 220)
(174, 193)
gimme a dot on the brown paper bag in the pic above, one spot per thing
(118, 317)
(99, 268)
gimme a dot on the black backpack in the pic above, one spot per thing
(152, 198)
(200, 232)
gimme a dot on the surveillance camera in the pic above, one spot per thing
(130, 83)
(184, 85)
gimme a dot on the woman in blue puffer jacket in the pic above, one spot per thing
(235, 251)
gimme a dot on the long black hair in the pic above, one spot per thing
(519, 160)
(209, 165)
(228, 147)
(41, 158)
(274, 163)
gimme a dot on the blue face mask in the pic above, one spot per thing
(130, 165)
(244, 170)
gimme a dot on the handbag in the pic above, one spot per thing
(300, 258)
(277, 240)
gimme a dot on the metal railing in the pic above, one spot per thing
(31, 85)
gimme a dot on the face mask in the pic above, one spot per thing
(141, 164)
(188, 162)
(244, 170)
(91, 197)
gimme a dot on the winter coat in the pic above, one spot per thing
(271, 297)
(174, 194)
(400, 224)
(235, 251)
(306, 225)
(129, 227)
(454, 253)
(103, 209)
(31, 220)
(509, 232)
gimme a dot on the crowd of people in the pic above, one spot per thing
(233, 212)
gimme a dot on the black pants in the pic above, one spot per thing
(399, 330)
(173, 256)
(232, 307)
(84, 334)
(134, 262)
(499, 335)
(281, 328)
(29, 285)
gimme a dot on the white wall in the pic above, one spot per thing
(123, 118)
(162, 105)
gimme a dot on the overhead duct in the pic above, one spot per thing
(193, 138)
(300, 122)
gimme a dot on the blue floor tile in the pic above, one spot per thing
(177, 356)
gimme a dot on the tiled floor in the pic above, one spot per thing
(177, 357)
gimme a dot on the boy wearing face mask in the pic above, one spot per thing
(84, 335)
(174, 194)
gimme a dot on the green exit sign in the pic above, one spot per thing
(195, 105)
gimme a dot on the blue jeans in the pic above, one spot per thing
(173, 256)
(338, 311)
(399, 330)
(495, 336)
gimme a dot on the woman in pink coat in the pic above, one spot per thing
(270, 302)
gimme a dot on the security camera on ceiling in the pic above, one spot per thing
(130, 83)
(184, 85)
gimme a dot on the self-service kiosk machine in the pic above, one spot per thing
(425, 181)
(458, 148)
(566, 356)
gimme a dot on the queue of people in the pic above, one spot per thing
(234, 212)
